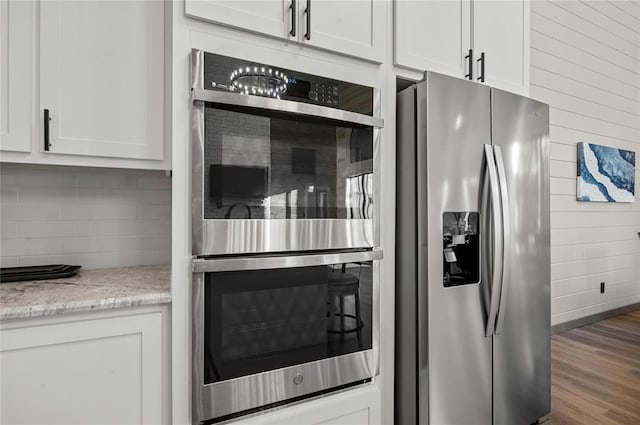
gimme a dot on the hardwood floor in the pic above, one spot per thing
(595, 373)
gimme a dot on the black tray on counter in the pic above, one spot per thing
(54, 271)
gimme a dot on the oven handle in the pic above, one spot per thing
(297, 108)
(200, 265)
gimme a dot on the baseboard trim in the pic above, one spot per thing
(561, 327)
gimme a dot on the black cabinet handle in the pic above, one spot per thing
(469, 57)
(308, 13)
(293, 18)
(47, 118)
(481, 60)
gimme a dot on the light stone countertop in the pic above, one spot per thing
(89, 290)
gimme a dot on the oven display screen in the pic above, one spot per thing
(298, 88)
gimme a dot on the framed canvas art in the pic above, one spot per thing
(605, 174)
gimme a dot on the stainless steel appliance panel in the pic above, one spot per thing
(252, 236)
(357, 108)
(231, 396)
(406, 311)
(450, 148)
(278, 105)
(521, 376)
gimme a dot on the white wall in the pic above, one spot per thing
(92, 217)
(585, 63)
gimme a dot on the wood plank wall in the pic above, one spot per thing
(585, 63)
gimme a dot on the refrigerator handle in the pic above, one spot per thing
(496, 241)
(506, 236)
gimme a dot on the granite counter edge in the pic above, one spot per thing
(31, 311)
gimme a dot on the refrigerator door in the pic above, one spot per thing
(454, 355)
(521, 346)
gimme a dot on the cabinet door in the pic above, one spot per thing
(433, 35)
(353, 27)
(101, 77)
(105, 371)
(16, 74)
(357, 406)
(271, 17)
(501, 31)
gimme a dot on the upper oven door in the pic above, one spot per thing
(272, 175)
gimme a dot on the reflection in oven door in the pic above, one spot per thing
(262, 320)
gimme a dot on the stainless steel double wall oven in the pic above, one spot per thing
(284, 189)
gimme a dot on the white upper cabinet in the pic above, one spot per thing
(352, 27)
(432, 35)
(16, 74)
(101, 78)
(501, 33)
(271, 17)
(451, 36)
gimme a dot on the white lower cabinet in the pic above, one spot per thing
(83, 369)
(358, 406)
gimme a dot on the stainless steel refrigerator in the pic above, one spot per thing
(472, 256)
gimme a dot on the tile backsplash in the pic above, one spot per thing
(92, 217)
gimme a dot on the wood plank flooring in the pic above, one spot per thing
(595, 373)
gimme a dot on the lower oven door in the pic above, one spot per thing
(273, 329)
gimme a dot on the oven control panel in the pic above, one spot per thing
(257, 79)
(324, 94)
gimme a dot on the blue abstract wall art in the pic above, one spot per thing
(605, 174)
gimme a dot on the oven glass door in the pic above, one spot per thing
(261, 320)
(272, 165)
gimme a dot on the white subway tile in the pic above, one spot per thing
(8, 195)
(117, 181)
(87, 196)
(119, 196)
(115, 212)
(8, 261)
(19, 212)
(46, 229)
(98, 212)
(19, 247)
(80, 245)
(8, 230)
(155, 197)
(84, 260)
(153, 212)
(93, 217)
(122, 258)
(116, 259)
(24, 176)
(154, 181)
(37, 195)
(155, 257)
